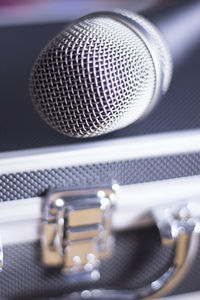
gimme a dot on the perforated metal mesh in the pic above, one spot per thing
(32, 184)
(132, 265)
(95, 76)
(162, 47)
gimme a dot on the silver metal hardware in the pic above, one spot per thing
(179, 225)
(1, 254)
(76, 230)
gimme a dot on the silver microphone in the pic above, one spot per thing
(101, 73)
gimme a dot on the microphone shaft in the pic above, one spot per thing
(180, 26)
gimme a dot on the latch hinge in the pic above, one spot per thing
(76, 230)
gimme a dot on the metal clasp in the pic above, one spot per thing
(179, 225)
(76, 230)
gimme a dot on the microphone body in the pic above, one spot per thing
(101, 73)
(179, 23)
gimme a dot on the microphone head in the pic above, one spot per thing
(101, 73)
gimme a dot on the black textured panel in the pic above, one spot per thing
(130, 267)
(21, 127)
(32, 184)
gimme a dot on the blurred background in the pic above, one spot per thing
(27, 11)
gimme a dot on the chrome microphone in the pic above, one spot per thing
(101, 73)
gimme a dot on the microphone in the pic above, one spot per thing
(103, 72)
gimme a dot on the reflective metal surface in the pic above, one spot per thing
(76, 230)
(101, 73)
(179, 225)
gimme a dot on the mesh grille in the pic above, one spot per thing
(94, 77)
(162, 47)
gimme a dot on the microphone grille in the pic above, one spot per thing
(94, 77)
(162, 48)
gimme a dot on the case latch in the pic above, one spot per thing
(76, 230)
